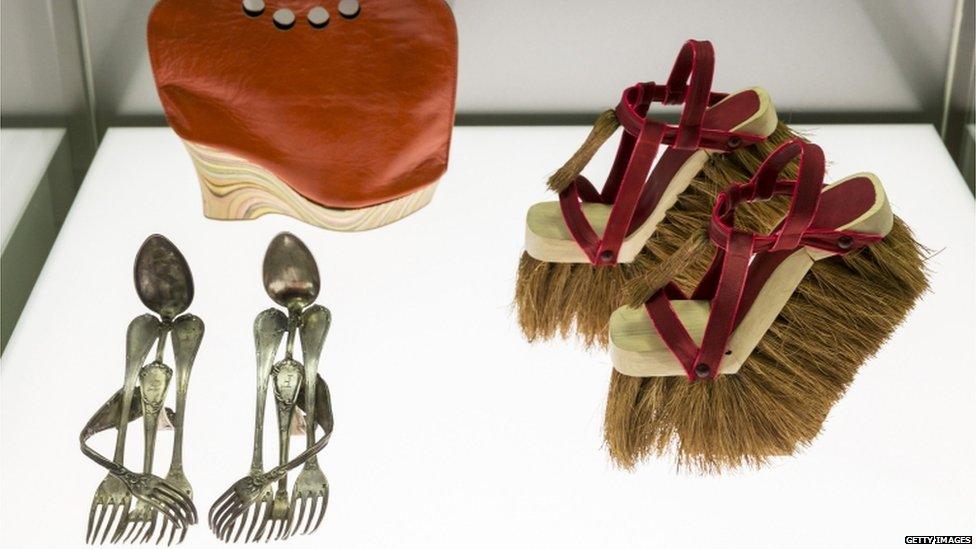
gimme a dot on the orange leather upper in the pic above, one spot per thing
(351, 115)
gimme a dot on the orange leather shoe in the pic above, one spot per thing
(336, 113)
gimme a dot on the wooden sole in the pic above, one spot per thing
(236, 189)
(547, 238)
(637, 350)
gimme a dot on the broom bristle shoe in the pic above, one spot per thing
(748, 365)
(581, 250)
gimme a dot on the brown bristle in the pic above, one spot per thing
(603, 128)
(554, 298)
(839, 316)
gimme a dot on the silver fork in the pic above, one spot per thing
(311, 487)
(148, 488)
(287, 376)
(232, 503)
(269, 328)
(112, 496)
(187, 334)
(154, 383)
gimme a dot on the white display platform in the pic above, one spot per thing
(451, 431)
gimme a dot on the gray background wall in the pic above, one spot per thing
(545, 57)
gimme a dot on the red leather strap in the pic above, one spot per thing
(631, 188)
(604, 250)
(725, 281)
(804, 191)
(725, 303)
(691, 83)
(671, 330)
(627, 185)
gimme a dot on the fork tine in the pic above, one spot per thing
(182, 500)
(294, 517)
(229, 520)
(151, 529)
(183, 532)
(98, 525)
(138, 537)
(174, 505)
(220, 518)
(311, 515)
(133, 534)
(265, 518)
(166, 506)
(91, 521)
(123, 521)
(254, 520)
(220, 501)
(110, 523)
(216, 512)
(318, 521)
(279, 523)
(162, 530)
(242, 524)
(133, 526)
(185, 500)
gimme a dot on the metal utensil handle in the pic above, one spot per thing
(286, 408)
(287, 384)
(109, 416)
(187, 334)
(269, 327)
(152, 403)
(284, 437)
(143, 331)
(324, 419)
(315, 324)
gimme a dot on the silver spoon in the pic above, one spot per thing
(162, 277)
(291, 276)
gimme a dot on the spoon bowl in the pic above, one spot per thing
(291, 276)
(163, 279)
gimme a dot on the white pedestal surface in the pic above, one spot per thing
(451, 430)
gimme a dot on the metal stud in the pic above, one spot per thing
(349, 8)
(253, 8)
(606, 255)
(702, 371)
(318, 17)
(845, 242)
(734, 142)
(284, 19)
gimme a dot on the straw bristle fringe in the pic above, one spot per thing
(554, 298)
(557, 298)
(604, 127)
(840, 315)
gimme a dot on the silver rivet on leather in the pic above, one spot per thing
(349, 8)
(318, 17)
(284, 18)
(253, 8)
